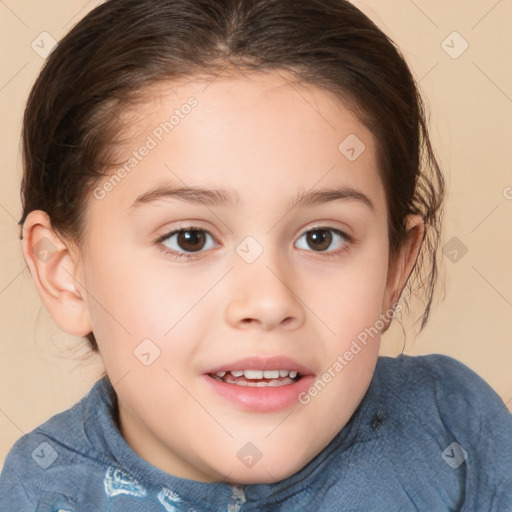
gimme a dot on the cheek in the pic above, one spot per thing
(127, 293)
(349, 297)
(132, 300)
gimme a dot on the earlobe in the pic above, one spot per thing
(402, 265)
(53, 270)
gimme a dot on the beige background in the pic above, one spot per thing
(43, 371)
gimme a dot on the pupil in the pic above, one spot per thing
(192, 240)
(320, 239)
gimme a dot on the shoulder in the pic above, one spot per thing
(439, 386)
(438, 402)
(439, 382)
(40, 459)
(430, 434)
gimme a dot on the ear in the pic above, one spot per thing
(53, 266)
(400, 267)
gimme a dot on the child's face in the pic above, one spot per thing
(259, 293)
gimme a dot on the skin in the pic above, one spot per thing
(267, 141)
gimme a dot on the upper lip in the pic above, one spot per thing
(262, 363)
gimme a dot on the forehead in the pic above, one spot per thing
(260, 131)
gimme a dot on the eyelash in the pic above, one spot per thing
(348, 241)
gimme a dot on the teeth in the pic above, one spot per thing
(253, 374)
(271, 375)
(262, 384)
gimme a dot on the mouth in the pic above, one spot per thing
(260, 384)
(257, 378)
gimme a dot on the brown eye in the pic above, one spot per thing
(192, 240)
(189, 240)
(323, 240)
(319, 239)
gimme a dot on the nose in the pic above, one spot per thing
(263, 298)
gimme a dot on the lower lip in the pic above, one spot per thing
(264, 399)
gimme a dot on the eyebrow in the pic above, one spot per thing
(211, 197)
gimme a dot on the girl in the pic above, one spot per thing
(228, 198)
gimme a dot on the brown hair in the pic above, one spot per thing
(123, 46)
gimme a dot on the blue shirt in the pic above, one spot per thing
(430, 435)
